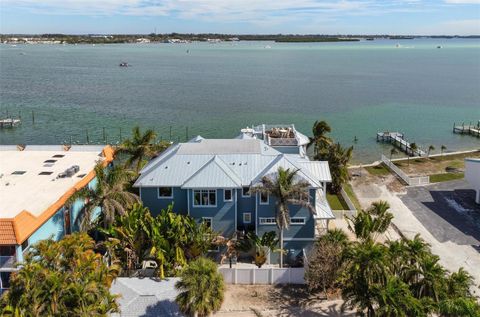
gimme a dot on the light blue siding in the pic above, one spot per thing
(52, 228)
(245, 204)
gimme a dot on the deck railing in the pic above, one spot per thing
(411, 181)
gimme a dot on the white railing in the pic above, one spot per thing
(349, 202)
(341, 214)
(411, 181)
(255, 276)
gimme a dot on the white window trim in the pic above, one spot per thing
(260, 199)
(269, 223)
(164, 197)
(298, 224)
(204, 206)
(231, 194)
(208, 218)
(249, 193)
(244, 221)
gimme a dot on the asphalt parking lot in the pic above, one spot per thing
(447, 210)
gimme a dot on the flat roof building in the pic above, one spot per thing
(36, 181)
(472, 174)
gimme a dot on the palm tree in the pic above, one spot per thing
(320, 140)
(109, 194)
(141, 148)
(338, 158)
(430, 148)
(393, 152)
(288, 192)
(443, 148)
(201, 288)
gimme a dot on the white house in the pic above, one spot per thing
(472, 174)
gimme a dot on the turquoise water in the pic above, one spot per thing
(216, 89)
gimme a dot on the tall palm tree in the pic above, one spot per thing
(109, 194)
(141, 147)
(443, 148)
(430, 148)
(320, 141)
(201, 288)
(338, 158)
(287, 191)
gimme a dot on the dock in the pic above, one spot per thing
(470, 129)
(398, 140)
(9, 122)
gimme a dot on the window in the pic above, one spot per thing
(267, 221)
(25, 245)
(264, 199)
(58, 155)
(165, 192)
(247, 217)
(19, 172)
(205, 197)
(227, 195)
(245, 191)
(297, 221)
(50, 161)
(208, 221)
(45, 173)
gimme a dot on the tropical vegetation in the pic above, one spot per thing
(325, 149)
(287, 191)
(140, 148)
(64, 278)
(201, 288)
(391, 278)
(170, 239)
(262, 246)
(109, 197)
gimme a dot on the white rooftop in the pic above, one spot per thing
(23, 187)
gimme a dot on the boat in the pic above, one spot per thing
(369, 39)
(439, 46)
(123, 64)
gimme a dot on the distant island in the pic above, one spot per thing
(205, 37)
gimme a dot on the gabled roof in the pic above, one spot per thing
(318, 169)
(214, 172)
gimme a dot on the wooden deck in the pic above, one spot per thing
(397, 139)
(470, 129)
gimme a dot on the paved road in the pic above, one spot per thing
(447, 210)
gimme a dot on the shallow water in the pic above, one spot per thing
(216, 89)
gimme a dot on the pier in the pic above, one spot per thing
(470, 129)
(398, 139)
(9, 122)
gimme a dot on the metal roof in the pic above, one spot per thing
(322, 207)
(224, 163)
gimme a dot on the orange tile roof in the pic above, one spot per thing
(7, 233)
(24, 224)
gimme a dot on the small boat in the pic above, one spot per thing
(369, 39)
(439, 46)
(123, 64)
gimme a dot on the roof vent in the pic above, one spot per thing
(188, 162)
(166, 167)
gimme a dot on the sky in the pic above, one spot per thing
(412, 17)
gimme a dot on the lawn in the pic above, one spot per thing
(378, 170)
(336, 202)
(444, 177)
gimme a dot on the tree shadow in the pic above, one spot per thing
(164, 308)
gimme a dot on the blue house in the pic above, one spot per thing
(210, 180)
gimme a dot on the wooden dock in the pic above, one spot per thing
(398, 139)
(470, 129)
(9, 122)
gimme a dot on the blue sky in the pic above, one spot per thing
(241, 16)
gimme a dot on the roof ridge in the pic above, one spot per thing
(306, 172)
(268, 167)
(198, 171)
(223, 165)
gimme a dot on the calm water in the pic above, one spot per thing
(214, 90)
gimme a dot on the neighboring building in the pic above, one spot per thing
(472, 174)
(36, 181)
(209, 179)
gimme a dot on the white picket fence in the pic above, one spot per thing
(253, 276)
(411, 181)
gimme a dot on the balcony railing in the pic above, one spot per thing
(7, 262)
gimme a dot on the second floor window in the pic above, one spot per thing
(263, 198)
(205, 197)
(165, 192)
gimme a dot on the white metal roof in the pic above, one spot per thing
(231, 163)
(34, 192)
(322, 207)
(319, 169)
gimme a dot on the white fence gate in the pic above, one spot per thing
(411, 181)
(250, 276)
